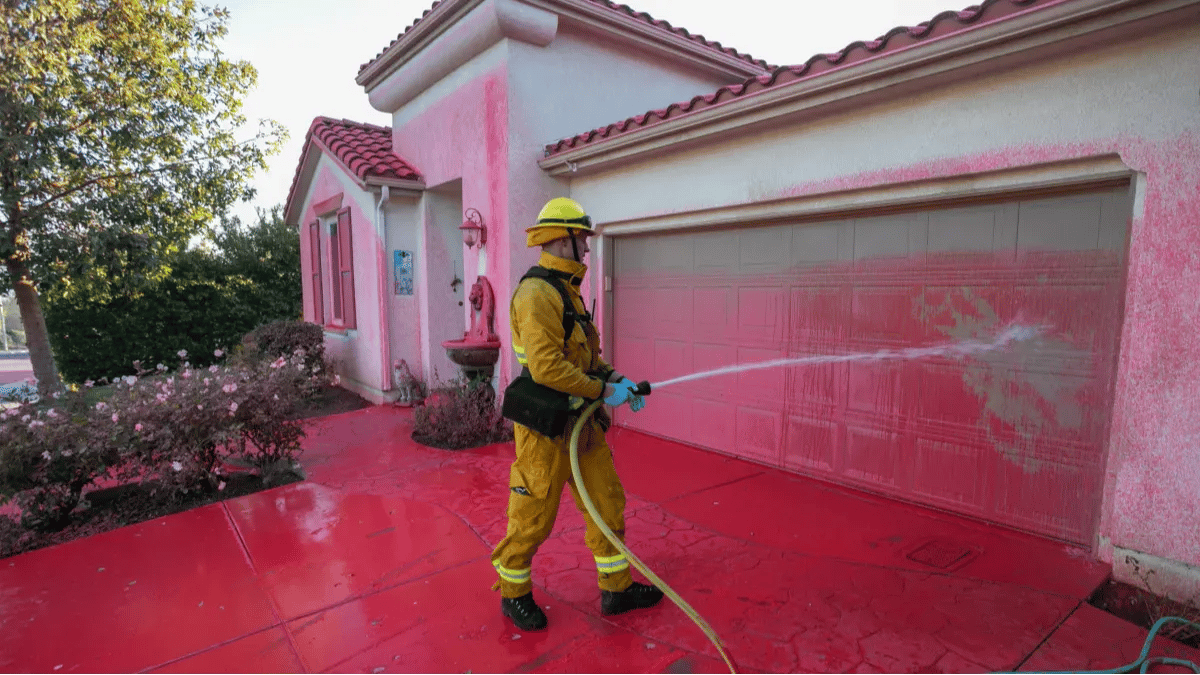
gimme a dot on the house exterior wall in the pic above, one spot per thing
(456, 133)
(573, 84)
(355, 354)
(478, 133)
(403, 225)
(1136, 100)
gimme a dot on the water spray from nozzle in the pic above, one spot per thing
(1012, 334)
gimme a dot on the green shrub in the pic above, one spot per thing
(283, 338)
(93, 340)
(461, 415)
(101, 318)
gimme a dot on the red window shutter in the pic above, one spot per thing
(346, 267)
(314, 251)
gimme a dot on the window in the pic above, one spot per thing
(341, 272)
(315, 286)
(341, 269)
(335, 250)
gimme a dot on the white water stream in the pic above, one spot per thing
(960, 348)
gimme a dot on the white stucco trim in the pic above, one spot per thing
(461, 30)
(1037, 32)
(457, 31)
(619, 27)
(962, 187)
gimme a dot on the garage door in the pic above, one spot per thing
(1016, 437)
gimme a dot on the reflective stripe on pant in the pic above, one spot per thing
(536, 480)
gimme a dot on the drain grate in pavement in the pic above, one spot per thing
(941, 554)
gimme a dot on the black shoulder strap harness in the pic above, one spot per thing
(534, 405)
(558, 280)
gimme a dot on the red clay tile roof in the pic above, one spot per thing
(364, 149)
(943, 24)
(623, 9)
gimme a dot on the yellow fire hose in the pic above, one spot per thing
(662, 585)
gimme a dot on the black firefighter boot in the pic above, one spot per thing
(636, 596)
(524, 612)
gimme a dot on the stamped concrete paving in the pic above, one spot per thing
(379, 563)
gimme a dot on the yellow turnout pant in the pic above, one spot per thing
(542, 467)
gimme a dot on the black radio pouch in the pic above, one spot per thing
(536, 406)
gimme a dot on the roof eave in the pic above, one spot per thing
(406, 186)
(652, 36)
(308, 164)
(448, 13)
(928, 61)
(305, 169)
(427, 29)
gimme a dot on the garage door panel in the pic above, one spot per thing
(762, 314)
(823, 384)
(1044, 496)
(714, 423)
(975, 230)
(631, 305)
(821, 243)
(671, 309)
(890, 237)
(1016, 436)
(712, 356)
(1076, 315)
(1114, 224)
(873, 455)
(820, 314)
(888, 389)
(716, 252)
(671, 255)
(766, 249)
(883, 315)
(762, 383)
(812, 443)
(714, 311)
(758, 433)
(667, 415)
(946, 398)
(952, 473)
(672, 358)
(1060, 224)
(636, 356)
(965, 311)
(1044, 409)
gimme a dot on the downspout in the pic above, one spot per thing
(385, 317)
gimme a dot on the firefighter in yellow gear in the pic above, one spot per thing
(559, 347)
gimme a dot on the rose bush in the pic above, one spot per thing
(461, 414)
(174, 429)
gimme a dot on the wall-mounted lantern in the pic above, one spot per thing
(473, 229)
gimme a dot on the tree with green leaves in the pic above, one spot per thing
(266, 253)
(118, 140)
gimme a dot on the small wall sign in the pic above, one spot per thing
(402, 264)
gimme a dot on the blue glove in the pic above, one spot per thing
(622, 392)
(637, 402)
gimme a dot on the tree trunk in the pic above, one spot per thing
(36, 336)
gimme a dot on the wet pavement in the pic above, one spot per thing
(380, 563)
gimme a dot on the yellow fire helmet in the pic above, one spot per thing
(558, 217)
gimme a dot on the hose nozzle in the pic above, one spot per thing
(642, 388)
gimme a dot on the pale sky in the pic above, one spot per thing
(308, 52)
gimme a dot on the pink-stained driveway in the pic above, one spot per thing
(379, 563)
